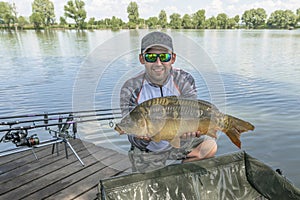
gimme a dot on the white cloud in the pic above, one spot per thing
(172, 9)
(269, 6)
(23, 7)
(191, 10)
(109, 8)
(233, 1)
(215, 8)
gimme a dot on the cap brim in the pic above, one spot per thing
(157, 45)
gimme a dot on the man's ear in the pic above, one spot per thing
(173, 58)
(142, 60)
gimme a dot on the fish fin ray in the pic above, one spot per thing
(235, 128)
(175, 142)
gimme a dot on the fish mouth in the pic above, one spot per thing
(118, 129)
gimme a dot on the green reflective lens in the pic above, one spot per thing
(165, 57)
(152, 57)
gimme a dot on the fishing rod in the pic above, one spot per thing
(58, 113)
(46, 119)
(19, 135)
(55, 124)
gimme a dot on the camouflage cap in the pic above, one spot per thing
(156, 38)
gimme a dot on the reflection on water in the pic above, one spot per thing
(259, 71)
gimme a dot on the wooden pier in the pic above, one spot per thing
(53, 176)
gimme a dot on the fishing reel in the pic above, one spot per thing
(19, 138)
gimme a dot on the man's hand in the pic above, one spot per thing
(191, 135)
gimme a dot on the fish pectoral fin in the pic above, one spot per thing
(212, 133)
(156, 137)
(175, 142)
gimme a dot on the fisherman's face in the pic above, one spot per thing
(158, 71)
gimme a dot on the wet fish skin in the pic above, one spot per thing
(168, 118)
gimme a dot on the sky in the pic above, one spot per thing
(101, 9)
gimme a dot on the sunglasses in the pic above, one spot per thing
(152, 57)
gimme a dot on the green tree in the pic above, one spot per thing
(7, 13)
(175, 21)
(237, 20)
(199, 19)
(75, 10)
(45, 10)
(22, 22)
(104, 23)
(211, 23)
(152, 22)
(62, 21)
(163, 22)
(36, 19)
(107, 22)
(254, 18)
(142, 23)
(298, 14)
(222, 21)
(282, 19)
(116, 23)
(91, 22)
(101, 24)
(231, 23)
(187, 22)
(133, 14)
(15, 17)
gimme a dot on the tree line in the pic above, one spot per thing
(43, 17)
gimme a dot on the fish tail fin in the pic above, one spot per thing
(233, 127)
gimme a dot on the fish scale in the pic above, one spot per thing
(181, 108)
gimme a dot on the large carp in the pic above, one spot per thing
(168, 118)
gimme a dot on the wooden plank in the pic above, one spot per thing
(53, 174)
(60, 184)
(42, 162)
(88, 186)
(20, 155)
(23, 159)
(55, 177)
(90, 194)
(66, 166)
(8, 158)
(84, 181)
(123, 166)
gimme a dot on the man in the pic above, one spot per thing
(160, 79)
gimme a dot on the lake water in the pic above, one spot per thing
(251, 74)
